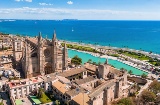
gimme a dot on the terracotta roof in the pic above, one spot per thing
(85, 80)
(60, 86)
(101, 87)
(74, 92)
(81, 99)
(90, 67)
(72, 72)
(115, 71)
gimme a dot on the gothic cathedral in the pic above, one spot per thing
(39, 56)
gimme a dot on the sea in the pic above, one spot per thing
(139, 35)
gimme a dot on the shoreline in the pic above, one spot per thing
(153, 55)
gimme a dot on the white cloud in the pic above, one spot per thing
(28, 0)
(69, 2)
(61, 13)
(18, 0)
(23, 0)
(43, 4)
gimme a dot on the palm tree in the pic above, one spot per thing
(122, 68)
(130, 72)
(89, 60)
(144, 75)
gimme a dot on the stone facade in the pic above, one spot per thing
(40, 56)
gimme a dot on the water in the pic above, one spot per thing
(143, 35)
(85, 57)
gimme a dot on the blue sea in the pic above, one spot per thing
(144, 35)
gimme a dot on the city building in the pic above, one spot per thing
(19, 89)
(39, 56)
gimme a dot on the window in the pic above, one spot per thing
(34, 69)
(60, 65)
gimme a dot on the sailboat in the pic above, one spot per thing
(72, 29)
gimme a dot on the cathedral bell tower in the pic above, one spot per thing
(40, 54)
(54, 50)
(65, 57)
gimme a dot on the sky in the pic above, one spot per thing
(80, 9)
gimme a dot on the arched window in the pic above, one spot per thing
(48, 69)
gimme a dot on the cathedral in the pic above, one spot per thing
(39, 56)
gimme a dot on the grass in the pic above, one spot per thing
(136, 56)
(45, 99)
(51, 98)
(82, 48)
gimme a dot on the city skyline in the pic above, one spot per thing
(80, 9)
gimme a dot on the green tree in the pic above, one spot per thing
(1, 103)
(157, 64)
(125, 101)
(89, 61)
(57, 102)
(130, 72)
(147, 96)
(40, 93)
(76, 60)
(155, 87)
(144, 75)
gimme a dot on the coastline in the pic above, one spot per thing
(153, 55)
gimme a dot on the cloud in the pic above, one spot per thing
(70, 2)
(23, 0)
(28, 0)
(44, 4)
(83, 14)
(18, 0)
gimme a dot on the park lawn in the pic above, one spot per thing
(153, 63)
(45, 99)
(142, 57)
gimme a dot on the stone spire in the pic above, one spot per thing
(39, 36)
(65, 58)
(40, 39)
(54, 35)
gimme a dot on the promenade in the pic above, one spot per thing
(138, 64)
(153, 55)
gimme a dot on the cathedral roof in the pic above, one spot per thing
(33, 40)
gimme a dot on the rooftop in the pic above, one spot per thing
(61, 87)
(85, 80)
(115, 71)
(74, 92)
(90, 67)
(101, 87)
(33, 40)
(19, 83)
(72, 72)
(81, 99)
